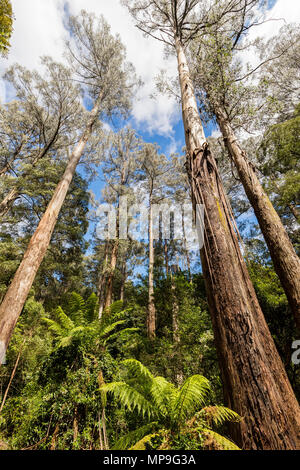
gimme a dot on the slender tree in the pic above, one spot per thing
(99, 61)
(155, 168)
(255, 382)
(118, 169)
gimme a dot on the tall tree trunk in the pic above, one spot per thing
(123, 277)
(151, 320)
(18, 290)
(166, 258)
(176, 333)
(101, 285)
(284, 257)
(255, 382)
(186, 251)
(111, 274)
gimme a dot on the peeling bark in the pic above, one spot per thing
(285, 260)
(255, 382)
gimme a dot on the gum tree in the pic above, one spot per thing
(218, 76)
(98, 60)
(255, 382)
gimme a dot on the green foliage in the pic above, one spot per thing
(6, 23)
(167, 408)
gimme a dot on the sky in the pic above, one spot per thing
(40, 29)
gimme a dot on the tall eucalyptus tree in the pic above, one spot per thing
(98, 60)
(255, 382)
(218, 74)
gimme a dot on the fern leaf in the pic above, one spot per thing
(133, 437)
(221, 441)
(191, 396)
(136, 370)
(130, 398)
(63, 319)
(161, 391)
(219, 415)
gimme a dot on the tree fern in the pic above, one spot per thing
(188, 398)
(218, 415)
(134, 437)
(130, 398)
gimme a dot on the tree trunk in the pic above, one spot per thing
(17, 293)
(8, 201)
(175, 313)
(166, 258)
(151, 320)
(101, 285)
(255, 382)
(284, 257)
(186, 251)
(112, 269)
(75, 427)
(124, 277)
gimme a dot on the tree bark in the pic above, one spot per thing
(166, 258)
(112, 269)
(186, 251)
(17, 293)
(101, 285)
(124, 277)
(255, 382)
(151, 320)
(285, 260)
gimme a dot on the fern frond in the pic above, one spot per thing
(122, 333)
(76, 309)
(133, 437)
(130, 398)
(91, 308)
(221, 441)
(53, 326)
(65, 341)
(219, 415)
(161, 391)
(105, 331)
(190, 396)
(136, 370)
(63, 319)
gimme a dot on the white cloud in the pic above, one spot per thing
(283, 12)
(39, 30)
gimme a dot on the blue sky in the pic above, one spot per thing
(40, 29)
